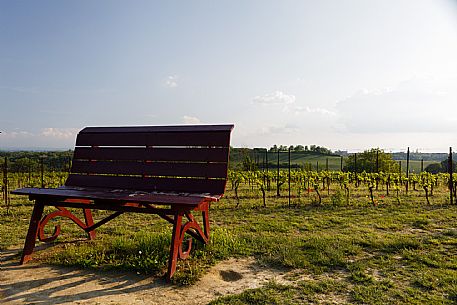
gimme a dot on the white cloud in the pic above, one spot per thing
(171, 81)
(46, 137)
(307, 109)
(15, 134)
(416, 105)
(190, 120)
(289, 104)
(275, 98)
(59, 133)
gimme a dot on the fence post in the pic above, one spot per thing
(450, 170)
(266, 159)
(355, 162)
(407, 171)
(422, 165)
(266, 167)
(289, 176)
(341, 163)
(377, 160)
(5, 186)
(277, 177)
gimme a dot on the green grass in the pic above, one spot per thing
(389, 254)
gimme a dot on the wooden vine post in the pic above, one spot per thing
(407, 171)
(377, 160)
(289, 175)
(5, 185)
(277, 178)
(450, 170)
(266, 167)
(355, 171)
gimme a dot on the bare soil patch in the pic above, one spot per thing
(43, 284)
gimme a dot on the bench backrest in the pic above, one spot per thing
(188, 158)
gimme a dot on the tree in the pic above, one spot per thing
(274, 148)
(434, 168)
(441, 167)
(319, 149)
(366, 161)
(445, 166)
(299, 148)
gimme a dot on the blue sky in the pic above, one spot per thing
(351, 74)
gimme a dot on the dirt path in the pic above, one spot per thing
(41, 284)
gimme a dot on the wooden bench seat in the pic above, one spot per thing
(116, 195)
(182, 169)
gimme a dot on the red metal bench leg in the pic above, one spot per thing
(175, 243)
(205, 215)
(89, 222)
(32, 232)
(190, 226)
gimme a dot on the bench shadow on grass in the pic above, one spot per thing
(61, 284)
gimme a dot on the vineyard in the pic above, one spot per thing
(301, 186)
(300, 177)
(341, 237)
(298, 186)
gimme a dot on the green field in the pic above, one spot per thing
(310, 159)
(414, 165)
(400, 251)
(300, 159)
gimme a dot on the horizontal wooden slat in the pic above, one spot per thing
(63, 193)
(203, 138)
(153, 158)
(212, 186)
(209, 170)
(152, 154)
(155, 129)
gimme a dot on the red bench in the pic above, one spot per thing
(135, 169)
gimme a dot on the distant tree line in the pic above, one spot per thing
(301, 148)
(24, 161)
